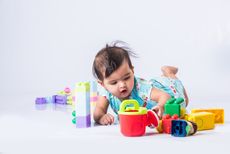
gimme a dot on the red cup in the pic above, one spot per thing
(134, 119)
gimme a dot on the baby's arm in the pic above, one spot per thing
(100, 113)
(160, 97)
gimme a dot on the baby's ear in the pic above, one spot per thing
(100, 82)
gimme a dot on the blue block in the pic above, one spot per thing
(178, 128)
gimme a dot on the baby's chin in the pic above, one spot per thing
(123, 96)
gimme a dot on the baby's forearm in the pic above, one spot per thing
(98, 114)
(163, 99)
(159, 96)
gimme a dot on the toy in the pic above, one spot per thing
(68, 94)
(204, 120)
(134, 119)
(62, 97)
(40, 100)
(74, 115)
(59, 99)
(159, 128)
(173, 106)
(182, 112)
(82, 104)
(67, 90)
(167, 123)
(93, 96)
(218, 112)
(182, 128)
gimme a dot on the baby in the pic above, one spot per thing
(115, 74)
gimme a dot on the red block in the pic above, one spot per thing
(167, 122)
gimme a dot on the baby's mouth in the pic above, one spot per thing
(123, 91)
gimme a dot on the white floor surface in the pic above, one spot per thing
(26, 128)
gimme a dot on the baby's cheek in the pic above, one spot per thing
(115, 93)
(131, 84)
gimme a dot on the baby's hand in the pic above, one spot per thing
(159, 110)
(106, 119)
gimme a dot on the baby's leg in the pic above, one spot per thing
(170, 72)
(186, 97)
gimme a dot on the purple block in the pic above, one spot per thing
(83, 121)
(60, 99)
(53, 98)
(40, 100)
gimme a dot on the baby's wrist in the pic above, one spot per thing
(160, 105)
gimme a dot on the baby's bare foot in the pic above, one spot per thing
(169, 71)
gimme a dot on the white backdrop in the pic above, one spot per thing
(46, 45)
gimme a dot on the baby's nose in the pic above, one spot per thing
(122, 84)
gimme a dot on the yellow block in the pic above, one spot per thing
(182, 112)
(218, 112)
(159, 127)
(93, 94)
(204, 120)
(185, 117)
(92, 107)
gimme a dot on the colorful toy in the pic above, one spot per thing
(74, 115)
(93, 87)
(173, 106)
(167, 123)
(218, 112)
(159, 128)
(67, 90)
(93, 96)
(204, 120)
(62, 97)
(182, 112)
(68, 94)
(59, 99)
(134, 119)
(40, 100)
(82, 104)
(182, 128)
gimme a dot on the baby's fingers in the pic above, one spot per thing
(110, 118)
(158, 110)
(107, 119)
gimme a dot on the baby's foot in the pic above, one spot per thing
(169, 71)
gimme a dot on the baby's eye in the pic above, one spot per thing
(113, 83)
(126, 78)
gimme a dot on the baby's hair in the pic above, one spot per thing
(110, 58)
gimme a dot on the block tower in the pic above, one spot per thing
(93, 96)
(82, 104)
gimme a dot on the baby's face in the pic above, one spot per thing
(120, 83)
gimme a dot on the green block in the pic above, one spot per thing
(74, 121)
(74, 113)
(173, 106)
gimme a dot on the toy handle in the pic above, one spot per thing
(129, 102)
(152, 119)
